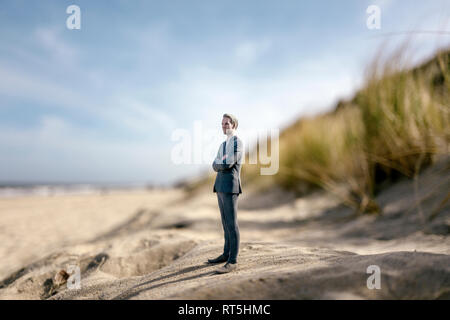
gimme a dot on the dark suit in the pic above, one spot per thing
(228, 187)
(229, 170)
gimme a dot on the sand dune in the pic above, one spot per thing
(154, 244)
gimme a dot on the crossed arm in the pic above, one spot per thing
(230, 159)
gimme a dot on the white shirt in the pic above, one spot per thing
(227, 146)
(232, 134)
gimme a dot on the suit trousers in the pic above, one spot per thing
(228, 212)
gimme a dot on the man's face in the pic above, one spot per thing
(226, 124)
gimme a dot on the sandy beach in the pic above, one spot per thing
(153, 244)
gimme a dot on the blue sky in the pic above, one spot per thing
(100, 104)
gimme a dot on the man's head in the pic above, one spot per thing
(229, 122)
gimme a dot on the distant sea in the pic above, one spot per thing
(14, 189)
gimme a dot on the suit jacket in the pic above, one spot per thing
(228, 179)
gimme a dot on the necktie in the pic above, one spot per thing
(224, 150)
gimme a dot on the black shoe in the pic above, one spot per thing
(219, 259)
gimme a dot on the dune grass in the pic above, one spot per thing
(394, 127)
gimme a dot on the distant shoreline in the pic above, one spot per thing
(18, 189)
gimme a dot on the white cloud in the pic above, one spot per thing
(305, 88)
(52, 42)
(139, 116)
(36, 88)
(249, 51)
(119, 110)
(58, 150)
